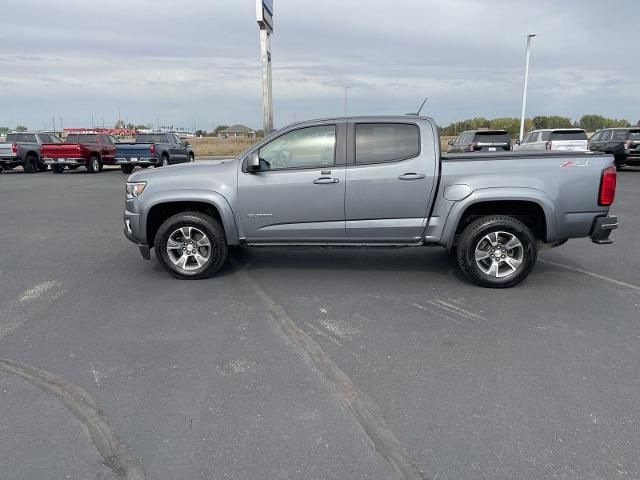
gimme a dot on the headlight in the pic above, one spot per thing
(135, 189)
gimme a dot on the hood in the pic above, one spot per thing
(181, 170)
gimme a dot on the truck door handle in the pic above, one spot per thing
(325, 180)
(412, 176)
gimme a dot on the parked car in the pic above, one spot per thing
(480, 141)
(372, 181)
(91, 150)
(23, 149)
(567, 139)
(157, 149)
(622, 143)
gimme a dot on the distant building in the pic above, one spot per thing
(237, 131)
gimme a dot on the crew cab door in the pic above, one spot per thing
(107, 148)
(178, 149)
(391, 174)
(298, 195)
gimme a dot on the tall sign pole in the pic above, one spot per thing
(264, 13)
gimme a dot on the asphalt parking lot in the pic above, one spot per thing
(306, 363)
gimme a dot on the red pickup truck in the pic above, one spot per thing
(91, 150)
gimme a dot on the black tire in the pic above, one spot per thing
(30, 164)
(43, 167)
(93, 165)
(472, 238)
(210, 227)
(127, 169)
(192, 157)
(619, 162)
(57, 168)
(144, 166)
(73, 167)
(164, 160)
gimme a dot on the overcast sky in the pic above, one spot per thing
(199, 60)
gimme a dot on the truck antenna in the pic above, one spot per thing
(417, 114)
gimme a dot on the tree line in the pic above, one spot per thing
(589, 122)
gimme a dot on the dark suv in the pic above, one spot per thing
(622, 143)
(480, 141)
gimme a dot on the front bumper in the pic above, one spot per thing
(64, 161)
(132, 232)
(602, 228)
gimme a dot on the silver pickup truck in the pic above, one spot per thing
(372, 181)
(24, 149)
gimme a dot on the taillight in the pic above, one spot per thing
(547, 146)
(14, 148)
(607, 187)
(152, 149)
(472, 147)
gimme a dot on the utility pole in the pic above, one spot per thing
(526, 80)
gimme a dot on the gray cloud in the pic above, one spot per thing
(198, 60)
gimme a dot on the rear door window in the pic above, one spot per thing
(386, 142)
(568, 135)
(620, 134)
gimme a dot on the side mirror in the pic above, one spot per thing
(518, 142)
(450, 143)
(253, 163)
(187, 144)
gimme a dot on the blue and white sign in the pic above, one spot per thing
(268, 4)
(264, 12)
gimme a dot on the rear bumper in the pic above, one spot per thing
(64, 161)
(10, 159)
(602, 228)
(137, 161)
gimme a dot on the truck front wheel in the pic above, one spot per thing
(191, 245)
(497, 251)
(126, 169)
(55, 168)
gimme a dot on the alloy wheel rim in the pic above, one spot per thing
(188, 248)
(499, 254)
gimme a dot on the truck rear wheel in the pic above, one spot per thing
(30, 163)
(497, 251)
(57, 168)
(191, 245)
(93, 165)
(126, 169)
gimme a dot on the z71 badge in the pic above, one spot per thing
(576, 163)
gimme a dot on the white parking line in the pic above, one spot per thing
(591, 274)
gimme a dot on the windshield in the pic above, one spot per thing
(569, 135)
(634, 135)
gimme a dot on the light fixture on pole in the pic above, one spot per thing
(526, 80)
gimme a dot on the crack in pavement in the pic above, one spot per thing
(360, 406)
(115, 454)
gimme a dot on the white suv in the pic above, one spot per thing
(569, 139)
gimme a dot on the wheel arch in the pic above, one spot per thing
(531, 206)
(163, 206)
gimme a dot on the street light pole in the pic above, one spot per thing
(346, 92)
(526, 80)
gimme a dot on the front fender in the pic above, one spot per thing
(501, 194)
(202, 196)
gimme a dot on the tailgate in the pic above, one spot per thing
(61, 150)
(570, 145)
(127, 150)
(6, 150)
